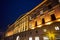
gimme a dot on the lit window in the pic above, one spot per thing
(57, 28)
(45, 38)
(41, 12)
(17, 38)
(36, 23)
(44, 30)
(36, 38)
(30, 38)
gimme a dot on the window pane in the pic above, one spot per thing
(41, 12)
(53, 17)
(30, 38)
(43, 21)
(45, 38)
(36, 38)
(17, 38)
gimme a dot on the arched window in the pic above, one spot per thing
(18, 38)
(35, 23)
(53, 17)
(43, 21)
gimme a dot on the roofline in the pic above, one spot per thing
(34, 8)
(29, 12)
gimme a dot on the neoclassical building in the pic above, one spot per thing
(41, 23)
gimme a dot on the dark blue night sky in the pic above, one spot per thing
(12, 9)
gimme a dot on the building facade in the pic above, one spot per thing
(41, 23)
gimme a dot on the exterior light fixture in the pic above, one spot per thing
(44, 30)
(56, 28)
(48, 23)
(39, 26)
(17, 38)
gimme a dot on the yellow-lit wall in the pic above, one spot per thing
(23, 24)
(9, 33)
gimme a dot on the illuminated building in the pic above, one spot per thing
(41, 23)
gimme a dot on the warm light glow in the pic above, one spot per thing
(57, 28)
(48, 23)
(36, 38)
(58, 19)
(51, 35)
(17, 38)
(45, 38)
(9, 33)
(41, 12)
(30, 38)
(39, 26)
(44, 30)
(59, 1)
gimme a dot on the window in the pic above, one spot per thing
(30, 38)
(36, 31)
(43, 21)
(30, 18)
(45, 8)
(54, 3)
(36, 23)
(30, 25)
(17, 38)
(53, 17)
(41, 12)
(49, 6)
(45, 38)
(36, 38)
(56, 28)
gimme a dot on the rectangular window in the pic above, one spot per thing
(30, 38)
(49, 6)
(30, 18)
(35, 23)
(36, 38)
(53, 17)
(45, 38)
(41, 12)
(43, 21)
